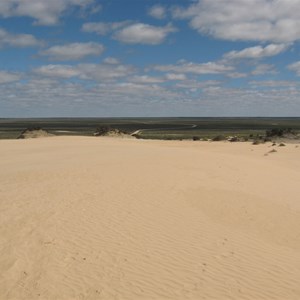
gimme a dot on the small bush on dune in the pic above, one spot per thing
(102, 130)
(256, 142)
(234, 139)
(219, 138)
(267, 139)
(279, 132)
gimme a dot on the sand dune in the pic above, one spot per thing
(103, 218)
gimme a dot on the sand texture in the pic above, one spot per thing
(105, 218)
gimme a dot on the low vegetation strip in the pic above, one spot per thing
(233, 129)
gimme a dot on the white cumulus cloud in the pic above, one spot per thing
(157, 11)
(111, 61)
(295, 67)
(141, 33)
(274, 84)
(262, 69)
(175, 76)
(254, 20)
(73, 51)
(103, 28)
(95, 72)
(257, 51)
(57, 71)
(7, 77)
(146, 79)
(194, 68)
(44, 12)
(104, 72)
(17, 40)
(47, 97)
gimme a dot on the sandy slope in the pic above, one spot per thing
(103, 218)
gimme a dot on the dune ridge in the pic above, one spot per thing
(102, 218)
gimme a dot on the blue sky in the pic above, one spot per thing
(115, 58)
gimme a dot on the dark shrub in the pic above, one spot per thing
(219, 138)
(102, 130)
(234, 139)
(256, 142)
(267, 139)
(279, 132)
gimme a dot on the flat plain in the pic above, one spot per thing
(150, 128)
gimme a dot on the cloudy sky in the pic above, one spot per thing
(102, 58)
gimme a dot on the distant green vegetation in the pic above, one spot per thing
(278, 132)
(159, 128)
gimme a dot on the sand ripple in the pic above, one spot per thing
(92, 218)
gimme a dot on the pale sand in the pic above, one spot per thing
(104, 218)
